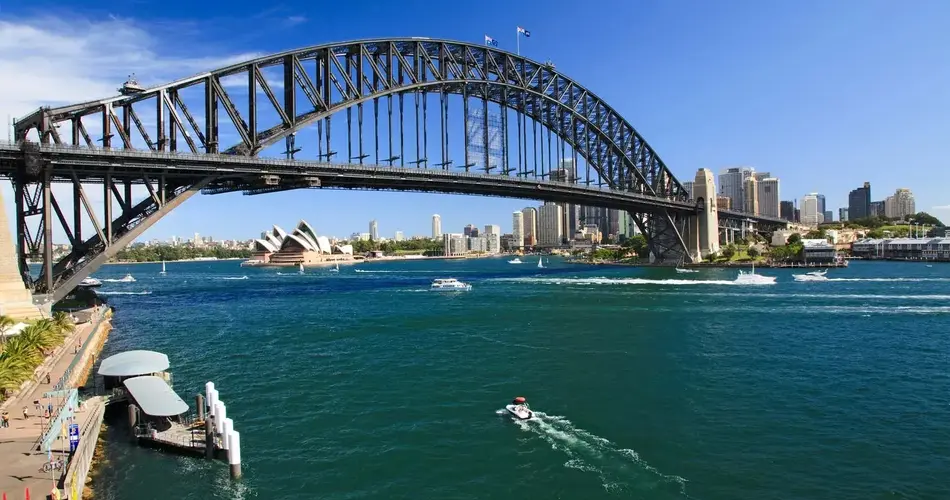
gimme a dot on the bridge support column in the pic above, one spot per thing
(706, 222)
(16, 301)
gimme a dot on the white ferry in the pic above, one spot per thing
(450, 285)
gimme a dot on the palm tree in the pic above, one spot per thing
(5, 323)
(13, 371)
(63, 322)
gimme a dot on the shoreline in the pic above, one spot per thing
(731, 265)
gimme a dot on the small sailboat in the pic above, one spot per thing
(540, 264)
(335, 269)
(300, 268)
(163, 268)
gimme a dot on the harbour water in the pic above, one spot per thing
(647, 384)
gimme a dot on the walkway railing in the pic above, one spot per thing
(96, 323)
(81, 460)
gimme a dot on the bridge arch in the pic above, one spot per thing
(317, 82)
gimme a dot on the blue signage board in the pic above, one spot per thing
(73, 437)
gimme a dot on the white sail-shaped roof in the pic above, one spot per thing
(323, 243)
(297, 240)
(279, 232)
(344, 249)
(265, 246)
(306, 228)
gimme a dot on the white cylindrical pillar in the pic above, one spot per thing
(213, 402)
(234, 454)
(209, 386)
(228, 429)
(220, 417)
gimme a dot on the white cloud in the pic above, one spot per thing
(72, 61)
(51, 61)
(941, 207)
(295, 20)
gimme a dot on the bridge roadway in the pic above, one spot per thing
(242, 173)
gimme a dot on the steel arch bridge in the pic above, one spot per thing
(192, 136)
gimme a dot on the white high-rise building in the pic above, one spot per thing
(530, 226)
(750, 190)
(493, 229)
(399, 236)
(770, 202)
(903, 204)
(570, 213)
(550, 229)
(517, 230)
(373, 230)
(810, 216)
(731, 184)
(436, 226)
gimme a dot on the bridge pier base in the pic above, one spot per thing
(16, 301)
(704, 226)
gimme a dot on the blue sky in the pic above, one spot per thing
(825, 95)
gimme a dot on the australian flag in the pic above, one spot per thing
(491, 41)
(526, 33)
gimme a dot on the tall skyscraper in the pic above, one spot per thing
(373, 230)
(810, 215)
(493, 234)
(731, 185)
(530, 226)
(821, 204)
(493, 229)
(876, 209)
(843, 214)
(399, 236)
(859, 202)
(517, 230)
(468, 230)
(550, 231)
(436, 226)
(828, 216)
(788, 211)
(769, 200)
(570, 213)
(750, 192)
(900, 205)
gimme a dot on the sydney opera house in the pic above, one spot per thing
(303, 246)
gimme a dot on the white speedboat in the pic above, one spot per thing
(750, 278)
(90, 282)
(812, 276)
(449, 285)
(127, 278)
(516, 260)
(519, 409)
(684, 271)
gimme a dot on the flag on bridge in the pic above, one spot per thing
(491, 41)
(522, 31)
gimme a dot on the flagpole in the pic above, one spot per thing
(518, 43)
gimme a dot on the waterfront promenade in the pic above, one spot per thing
(20, 458)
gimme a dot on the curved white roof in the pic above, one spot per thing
(155, 397)
(293, 239)
(323, 244)
(131, 363)
(279, 232)
(307, 229)
(344, 249)
(264, 246)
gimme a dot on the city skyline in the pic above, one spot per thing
(830, 104)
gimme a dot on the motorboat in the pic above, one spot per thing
(449, 285)
(684, 271)
(519, 409)
(127, 278)
(90, 282)
(516, 260)
(750, 278)
(812, 276)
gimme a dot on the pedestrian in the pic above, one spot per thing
(49, 408)
(47, 378)
(26, 413)
(5, 420)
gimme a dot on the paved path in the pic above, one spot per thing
(20, 460)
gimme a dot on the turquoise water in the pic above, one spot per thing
(647, 384)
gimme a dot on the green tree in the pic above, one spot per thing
(925, 218)
(729, 252)
(6, 323)
(638, 243)
(753, 252)
(794, 238)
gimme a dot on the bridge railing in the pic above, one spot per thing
(316, 165)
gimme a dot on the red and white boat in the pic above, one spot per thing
(519, 409)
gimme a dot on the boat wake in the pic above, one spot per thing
(890, 280)
(619, 281)
(400, 271)
(234, 278)
(621, 470)
(124, 293)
